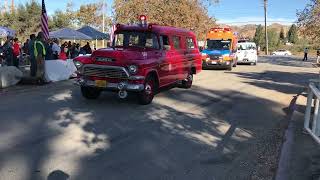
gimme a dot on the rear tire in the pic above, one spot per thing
(187, 83)
(229, 68)
(146, 96)
(90, 92)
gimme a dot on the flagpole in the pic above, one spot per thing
(103, 19)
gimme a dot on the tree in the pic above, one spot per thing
(189, 14)
(259, 35)
(273, 38)
(282, 36)
(91, 15)
(25, 20)
(293, 34)
(60, 20)
(309, 21)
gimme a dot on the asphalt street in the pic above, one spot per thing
(229, 125)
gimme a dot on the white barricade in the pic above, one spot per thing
(312, 118)
(59, 70)
(9, 76)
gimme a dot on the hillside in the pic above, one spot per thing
(248, 30)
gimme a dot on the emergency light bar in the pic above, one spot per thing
(221, 29)
(143, 20)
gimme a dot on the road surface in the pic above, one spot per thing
(230, 125)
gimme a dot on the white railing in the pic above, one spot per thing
(312, 114)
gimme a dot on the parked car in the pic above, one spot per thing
(281, 52)
(143, 58)
(247, 53)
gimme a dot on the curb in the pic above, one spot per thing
(286, 150)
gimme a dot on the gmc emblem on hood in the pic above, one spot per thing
(105, 59)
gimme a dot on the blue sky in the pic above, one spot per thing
(232, 12)
(242, 12)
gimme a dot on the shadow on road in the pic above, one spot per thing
(285, 82)
(291, 61)
(107, 138)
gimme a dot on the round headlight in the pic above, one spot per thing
(78, 64)
(133, 69)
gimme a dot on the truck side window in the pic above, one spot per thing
(152, 41)
(164, 41)
(190, 43)
(176, 42)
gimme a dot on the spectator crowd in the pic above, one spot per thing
(37, 49)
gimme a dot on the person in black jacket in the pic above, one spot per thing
(318, 56)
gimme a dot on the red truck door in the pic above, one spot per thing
(179, 58)
(166, 62)
(191, 54)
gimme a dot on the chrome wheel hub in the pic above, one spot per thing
(148, 89)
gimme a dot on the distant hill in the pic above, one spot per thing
(248, 30)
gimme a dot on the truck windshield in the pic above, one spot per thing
(218, 44)
(136, 39)
(246, 47)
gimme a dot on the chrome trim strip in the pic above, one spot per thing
(113, 86)
(104, 67)
(136, 78)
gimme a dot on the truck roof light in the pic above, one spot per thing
(143, 17)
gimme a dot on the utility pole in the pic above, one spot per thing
(5, 6)
(12, 6)
(266, 27)
(103, 19)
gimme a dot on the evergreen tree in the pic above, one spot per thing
(293, 34)
(282, 36)
(259, 36)
(59, 20)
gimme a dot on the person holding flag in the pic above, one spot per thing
(39, 45)
(40, 54)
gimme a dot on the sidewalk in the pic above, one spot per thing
(304, 154)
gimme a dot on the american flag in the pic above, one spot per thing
(44, 21)
(113, 29)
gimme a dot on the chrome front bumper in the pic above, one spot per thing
(122, 86)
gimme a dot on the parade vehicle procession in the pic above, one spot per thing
(159, 90)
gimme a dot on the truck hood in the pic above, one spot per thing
(118, 56)
(216, 52)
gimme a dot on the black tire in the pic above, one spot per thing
(90, 92)
(255, 63)
(229, 68)
(187, 83)
(146, 96)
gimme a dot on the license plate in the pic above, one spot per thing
(214, 62)
(101, 83)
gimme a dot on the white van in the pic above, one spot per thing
(247, 53)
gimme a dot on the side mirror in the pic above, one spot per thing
(167, 47)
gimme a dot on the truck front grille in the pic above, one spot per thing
(214, 57)
(106, 72)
